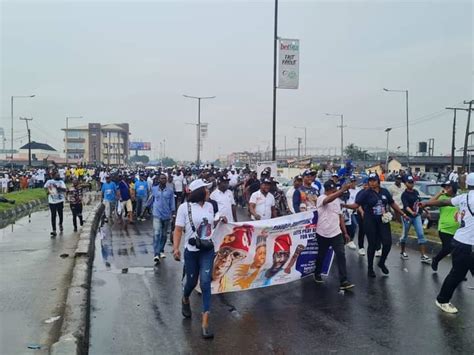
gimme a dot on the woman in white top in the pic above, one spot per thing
(196, 219)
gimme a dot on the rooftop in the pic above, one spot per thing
(38, 146)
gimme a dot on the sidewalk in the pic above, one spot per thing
(34, 280)
(135, 308)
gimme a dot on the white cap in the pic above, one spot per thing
(197, 184)
(470, 179)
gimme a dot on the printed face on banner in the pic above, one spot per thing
(263, 253)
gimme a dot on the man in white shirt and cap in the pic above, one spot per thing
(463, 243)
(262, 202)
(225, 199)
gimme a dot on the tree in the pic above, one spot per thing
(355, 153)
(139, 159)
(168, 162)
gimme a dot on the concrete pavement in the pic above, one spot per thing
(34, 280)
(135, 308)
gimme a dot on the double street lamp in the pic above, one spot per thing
(342, 132)
(408, 134)
(199, 98)
(11, 136)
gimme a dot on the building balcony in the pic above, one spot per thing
(75, 140)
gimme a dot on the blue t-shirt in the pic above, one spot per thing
(141, 187)
(124, 191)
(109, 190)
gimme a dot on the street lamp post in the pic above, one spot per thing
(15, 97)
(386, 158)
(342, 132)
(199, 98)
(305, 146)
(408, 132)
(67, 131)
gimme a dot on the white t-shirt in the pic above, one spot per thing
(102, 176)
(4, 182)
(397, 193)
(54, 195)
(328, 217)
(465, 233)
(234, 179)
(289, 198)
(225, 201)
(203, 219)
(263, 204)
(62, 173)
(41, 174)
(179, 182)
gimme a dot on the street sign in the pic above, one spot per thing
(289, 63)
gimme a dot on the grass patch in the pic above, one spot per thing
(21, 197)
(430, 233)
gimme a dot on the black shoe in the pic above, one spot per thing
(383, 268)
(434, 265)
(53, 234)
(371, 273)
(186, 309)
(75, 229)
(61, 228)
(345, 285)
(207, 333)
(157, 260)
(82, 223)
(318, 279)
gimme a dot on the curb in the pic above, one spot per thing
(13, 212)
(74, 334)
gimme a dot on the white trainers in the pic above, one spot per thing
(378, 253)
(447, 307)
(425, 259)
(404, 256)
(162, 255)
(351, 245)
(362, 252)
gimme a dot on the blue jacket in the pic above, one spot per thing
(163, 202)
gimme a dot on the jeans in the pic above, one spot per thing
(76, 210)
(56, 208)
(351, 228)
(199, 264)
(447, 247)
(160, 229)
(416, 221)
(141, 202)
(377, 233)
(109, 208)
(337, 244)
(463, 261)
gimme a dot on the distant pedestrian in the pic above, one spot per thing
(74, 195)
(141, 196)
(56, 189)
(109, 197)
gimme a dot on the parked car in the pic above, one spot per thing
(433, 177)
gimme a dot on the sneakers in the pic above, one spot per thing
(75, 229)
(162, 255)
(318, 279)
(434, 265)
(404, 256)
(371, 273)
(351, 245)
(447, 307)
(106, 220)
(425, 259)
(345, 285)
(53, 234)
(362, 252)
(383, 268)
(378, 253)
(157, 260)
(61, 228)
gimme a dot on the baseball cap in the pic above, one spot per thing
(470, 179)
(298, 177)
(329, 185)
(334, 175)
(222, 179)
(398, 177)
(197, 184)
(353, 178)
(373, 176)
(308, 172)
(410, 179)
(266, 181)
(451, 183)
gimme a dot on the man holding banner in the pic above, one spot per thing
(331, 231)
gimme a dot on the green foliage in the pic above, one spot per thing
(355, 153)
(21, 197)
(167, 161)
(139, 159)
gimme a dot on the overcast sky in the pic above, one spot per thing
(132, 61)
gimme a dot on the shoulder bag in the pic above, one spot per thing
(201, 244)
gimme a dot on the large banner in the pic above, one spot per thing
(264, 253)
(289, 64)
(139, 146)
(262, 165)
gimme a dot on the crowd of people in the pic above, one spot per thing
(188, 203)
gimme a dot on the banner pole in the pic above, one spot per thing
(275, 42)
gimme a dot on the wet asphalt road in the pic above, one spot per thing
(33, 281)
(138, 312)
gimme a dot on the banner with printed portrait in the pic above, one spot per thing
(265, 253)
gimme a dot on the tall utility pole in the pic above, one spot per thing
(299, 147)
(305, 146)
(275, 46)
(408, 132)
(466, 137)
(342, 132)
(15, 97)
(387, 130)
(29, 137)
(199, 98)
(66, 138)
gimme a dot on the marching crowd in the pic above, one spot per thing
(188, 203)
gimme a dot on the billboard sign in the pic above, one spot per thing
(140, 146)
(289, 64)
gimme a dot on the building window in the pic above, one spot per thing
(76, 134)
(71, 145)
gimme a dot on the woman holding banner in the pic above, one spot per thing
(196, 219)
